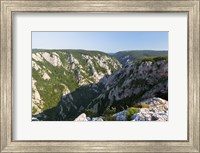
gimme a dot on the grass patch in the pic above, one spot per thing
(141, 105)
(130, 112)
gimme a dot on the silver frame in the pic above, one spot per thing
(9, 7)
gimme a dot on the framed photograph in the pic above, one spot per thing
(99, 76)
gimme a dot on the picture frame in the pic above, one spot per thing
(8, 8)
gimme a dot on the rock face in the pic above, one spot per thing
(52, 58)
(132, 83)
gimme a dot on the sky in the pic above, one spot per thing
(109, 42)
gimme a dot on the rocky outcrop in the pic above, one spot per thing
(120, 116)
(45, 76)
(78, 75)
(51, 58)
(72, 62)
(35, 66)
(83, 117)
(37, 57)
(157, 111)
(37, 102)
(104, 62)
(66, 90)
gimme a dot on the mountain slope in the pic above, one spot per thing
(135, 82)
(126, 57)
(55, 73)
(113, 93)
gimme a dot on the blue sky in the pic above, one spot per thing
(102, 41)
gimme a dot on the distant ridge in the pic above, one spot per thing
(141, 50)
(38, 49)
(124, 57)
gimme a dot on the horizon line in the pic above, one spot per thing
(100, 50)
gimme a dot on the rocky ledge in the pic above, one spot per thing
(157, 110)
(153, 109)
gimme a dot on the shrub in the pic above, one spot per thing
(108, 114)
(138, 106)
(109, 111)
(130, 112)
(90, 113)
(138, 62)
(148, 59)
(141, 105)
(109, 118)
(145, 105)
(34, 110)
(151, 59)
(160, 58)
